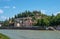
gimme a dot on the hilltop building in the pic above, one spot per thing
(23, 22)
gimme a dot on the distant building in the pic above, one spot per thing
(1, 24)
(11, 24)
(23, 22)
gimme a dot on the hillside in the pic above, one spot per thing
(38, 17)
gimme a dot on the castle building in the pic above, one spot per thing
(23, 22)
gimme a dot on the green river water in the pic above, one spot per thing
(31, 34)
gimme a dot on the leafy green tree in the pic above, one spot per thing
(42, 22)
(57, 18)
(6, 23)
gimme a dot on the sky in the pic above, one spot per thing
(9, 8)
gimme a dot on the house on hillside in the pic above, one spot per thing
(23, 22)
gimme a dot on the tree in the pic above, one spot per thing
(52, 20)
(6, 23)
(42, 22)
(57, 18)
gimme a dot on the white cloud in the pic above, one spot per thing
(4, 17)
(6, 6)
(14, 7)
(56, 13)
(1, 11)
(43, 11)
(9, 7)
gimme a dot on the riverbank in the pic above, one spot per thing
(3, 36)
(24, 28)
(29, 28)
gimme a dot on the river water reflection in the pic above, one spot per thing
(31, 34)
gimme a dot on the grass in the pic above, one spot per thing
(3, 36)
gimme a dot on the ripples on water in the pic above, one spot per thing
(31, 34)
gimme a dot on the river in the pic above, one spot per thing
(31, 34)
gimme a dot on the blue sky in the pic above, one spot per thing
(8, 8)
